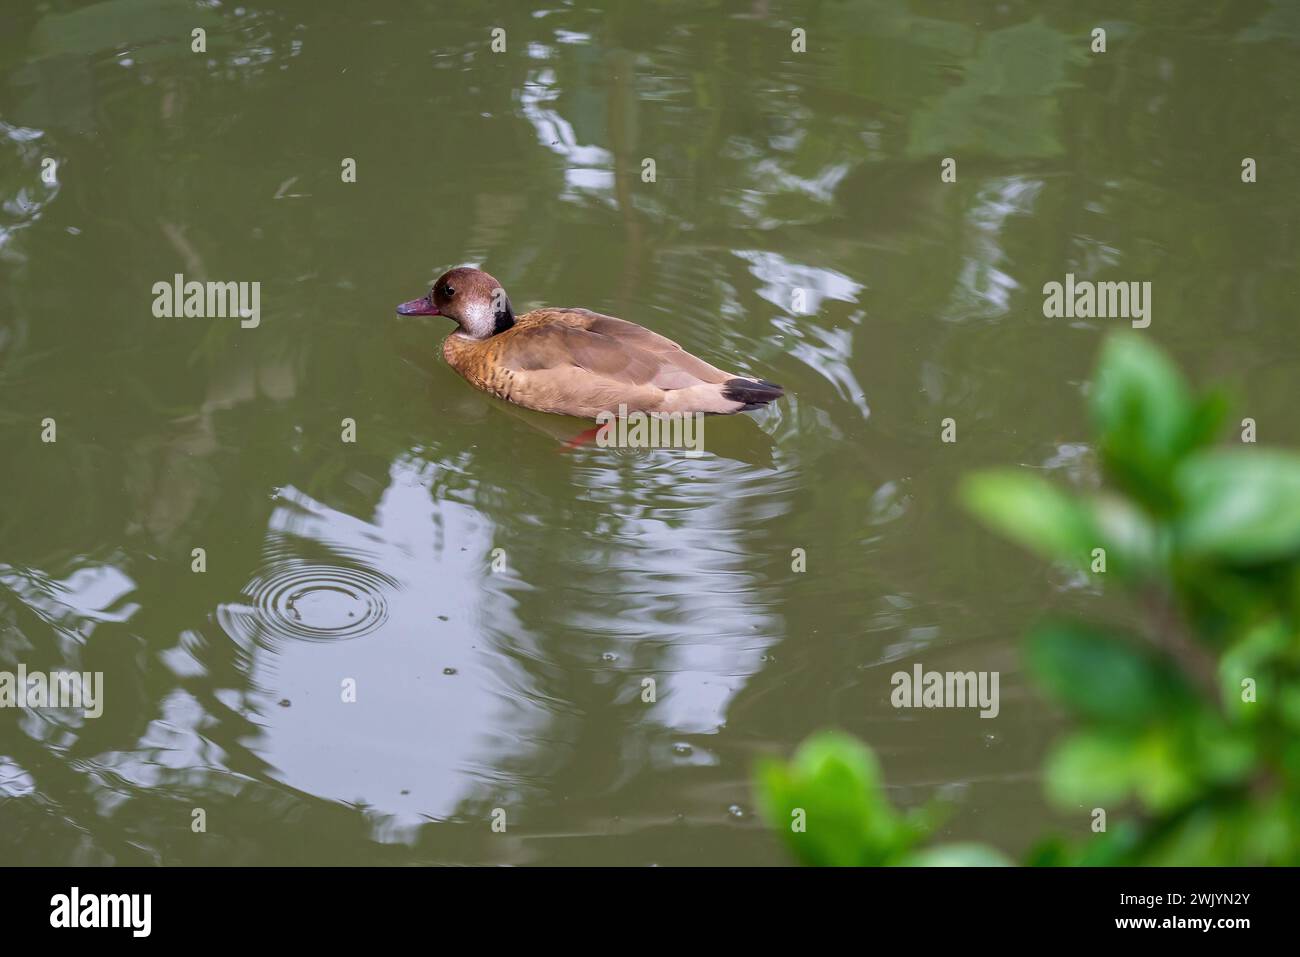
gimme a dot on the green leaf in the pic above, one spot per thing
(833, 786)
(1032, 512)
(1090, 767)
(1135, 546)
(1048, 852)
(1166, 775)
(1220, 753)
(1256, 655)
(1242, 505)
(1118, 847)
(957, 855)
(1139, 394)
(1104, 679)
(1206, 420)
(1146, 417)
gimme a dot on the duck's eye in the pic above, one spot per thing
(448, 291)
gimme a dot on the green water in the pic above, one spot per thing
(497, 601)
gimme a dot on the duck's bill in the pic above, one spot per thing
(418, 307)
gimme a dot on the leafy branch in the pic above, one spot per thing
(1188, 728)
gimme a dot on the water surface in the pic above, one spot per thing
(497, 602)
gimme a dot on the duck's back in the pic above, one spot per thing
(580, 362)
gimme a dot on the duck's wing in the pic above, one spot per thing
(582, 363)
(603, 346)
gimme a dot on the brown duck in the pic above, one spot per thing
(574, 361)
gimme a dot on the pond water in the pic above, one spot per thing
(389, 639)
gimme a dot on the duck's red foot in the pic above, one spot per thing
(581, 439)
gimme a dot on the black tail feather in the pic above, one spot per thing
(753, 393)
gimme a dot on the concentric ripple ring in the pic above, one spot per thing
(304, 600)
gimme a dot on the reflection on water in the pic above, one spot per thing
(397, 719)
(297, 595)
(460, 612)
(28, 181)
(448, 697)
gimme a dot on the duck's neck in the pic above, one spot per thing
(505, 318)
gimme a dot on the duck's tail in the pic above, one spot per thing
(751, 393)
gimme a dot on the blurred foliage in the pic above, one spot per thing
(829, 803)
(1185, 731)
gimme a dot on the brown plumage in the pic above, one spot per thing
(574, 361)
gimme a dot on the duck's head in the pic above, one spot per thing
(471, 297)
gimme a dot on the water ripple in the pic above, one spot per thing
(298, 599)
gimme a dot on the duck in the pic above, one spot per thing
(572, 361)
